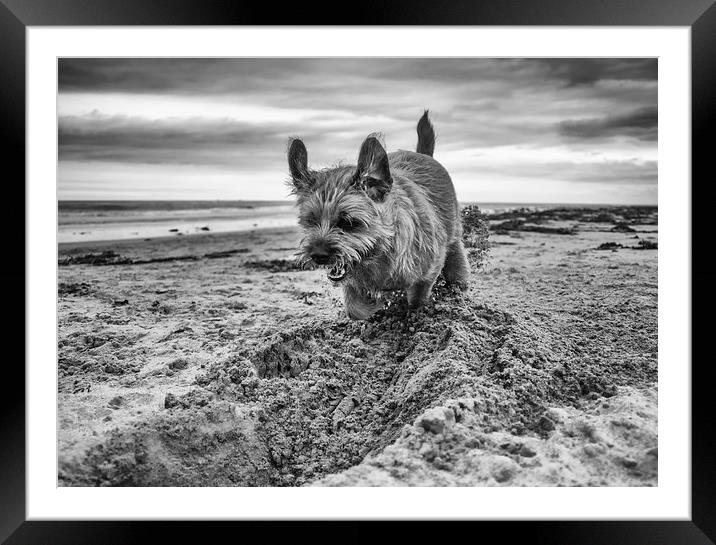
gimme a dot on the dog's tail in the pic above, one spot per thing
(426, 136)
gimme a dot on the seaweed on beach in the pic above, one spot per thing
(226, 253)
(646, 245)
(102, 258)
(644, 215)
(113, 258)
(279, 265)
(622, 227)
(521, 225)
(641, 245)
(614, 246)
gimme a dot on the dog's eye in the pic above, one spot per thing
(309, 220)
(346, 223)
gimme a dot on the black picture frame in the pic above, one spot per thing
(699, 15)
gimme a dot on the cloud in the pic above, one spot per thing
(641, 124)
(203, 141)
(226, 76)
(181, 141)
(526, 119)
(576, 72)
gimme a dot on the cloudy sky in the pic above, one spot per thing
(509, 130)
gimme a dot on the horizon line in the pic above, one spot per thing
(293, 200)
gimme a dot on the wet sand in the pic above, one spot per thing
(211, 360)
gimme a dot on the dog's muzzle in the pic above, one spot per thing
(337, 272)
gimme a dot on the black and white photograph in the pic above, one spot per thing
(357, 272)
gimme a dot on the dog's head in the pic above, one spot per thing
(342, 210)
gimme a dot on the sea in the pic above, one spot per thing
(92, 221)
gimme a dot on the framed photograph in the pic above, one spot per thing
(422, 265)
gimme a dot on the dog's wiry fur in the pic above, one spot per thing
(390, 222)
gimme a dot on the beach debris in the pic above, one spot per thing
(641, 245)
(102, 258)
(343, 409)
(646, 245)
(428, 452)
(307, 296)
(178, 364)
(71, 288)
(81, 385)
(590, 450)
(181, 329)
(613, 246)
(226, 253)
(547, 424)
(503, 468)
(113, 258)
(642, 215)
(164, 308)
(116, 402)
(279, 265)
(521, 225)
(594, 449)
(601, 217)
(436, 420)
(556, 414)
(170, 400)
(628, 462)
(622, 227)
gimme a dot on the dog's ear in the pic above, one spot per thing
(298, 164)
(373, 172)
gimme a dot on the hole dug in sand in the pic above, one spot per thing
(434, 394)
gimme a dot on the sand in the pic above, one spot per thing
(211, 360)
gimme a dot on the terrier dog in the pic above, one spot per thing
(391, 222)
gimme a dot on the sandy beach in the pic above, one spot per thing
(210, 359)
(95, 221)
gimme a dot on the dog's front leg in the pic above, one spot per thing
(359, 306)
(419, 293)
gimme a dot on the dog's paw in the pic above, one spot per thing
(457, 288)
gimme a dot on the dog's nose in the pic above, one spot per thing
(320, 252)
(320, 256)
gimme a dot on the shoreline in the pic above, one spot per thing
(506, 213)
(169, 240)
